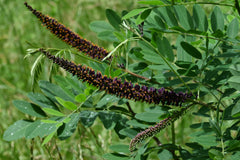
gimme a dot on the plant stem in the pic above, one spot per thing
(164, 59)
(157, 141)
(222, 143)
(130, 109)
(173, 133)
(59, 153)
(31, 148)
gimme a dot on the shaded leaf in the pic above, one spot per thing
(52, 91)
(113, 19)
(42, 100)
(88, 117)
(165, 48)
(108, 119)
(160, 22)
(67, 129)
(182, 55)
(233, 145)
(29, 108)
(191, 50)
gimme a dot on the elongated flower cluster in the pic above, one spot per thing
(115, 86)
(69, 36)
(155, 129)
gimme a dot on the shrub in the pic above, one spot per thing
(167, 60)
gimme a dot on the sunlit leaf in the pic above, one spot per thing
(40, 129)
(107, 36)
(134, 13)
(16, 130)
(80, 98)
(67, 104)
(165, 155)
(200, 18)
(120, 148)
(234, 82)
(53, 112)
(184, 17)
(168, 16)
(151, 2)
(100, 26)
(143, 16)
(217, 19)
(48, 138)
(115, 156)
(233, 28)
(148, 117)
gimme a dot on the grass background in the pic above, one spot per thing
(18, 28)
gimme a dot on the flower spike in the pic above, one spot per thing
(151, 131)
(69, 36)
(115, 86)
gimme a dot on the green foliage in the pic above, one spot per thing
(176, 48)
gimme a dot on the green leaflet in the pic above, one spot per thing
(29, 108)
(113, 19)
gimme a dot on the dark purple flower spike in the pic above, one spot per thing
(117, 87)
(151, 131)
(69, 37)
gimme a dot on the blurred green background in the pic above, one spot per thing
(18, 28)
